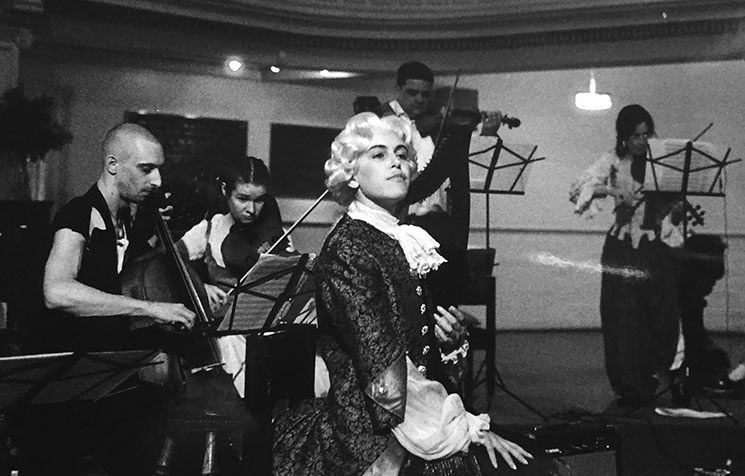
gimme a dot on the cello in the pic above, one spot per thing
(163, 275)
(203, 398)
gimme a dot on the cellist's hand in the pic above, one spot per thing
(166, 210)
(171, 313)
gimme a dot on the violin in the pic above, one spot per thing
(477, 116)
(694, 214)
(429, 124)
(511, 122)
(242, 246)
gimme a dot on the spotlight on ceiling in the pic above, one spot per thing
(326, 74)
(235, 65)
(592, 101)
(274, 69)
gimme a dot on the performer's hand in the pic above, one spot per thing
(490, 122)
(264, 247)
(171, 313)
(624, 196)
(216, 296)
(450, 326)
(508, 450)
(166, 209)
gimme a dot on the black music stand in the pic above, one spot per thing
(268, 309)
(513, 173)
(273, 287)
(280, 369)
(681, 169)
(505, 174)
(67, 376)
(64, 378)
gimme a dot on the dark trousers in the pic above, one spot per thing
(639, 315)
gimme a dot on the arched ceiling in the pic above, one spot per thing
(435, 19)
(374, 36)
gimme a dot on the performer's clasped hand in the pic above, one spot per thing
(450, 327)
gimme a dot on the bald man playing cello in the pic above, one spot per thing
(93, 239)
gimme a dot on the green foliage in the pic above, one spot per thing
(28, 127)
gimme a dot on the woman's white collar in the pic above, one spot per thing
(419, 247)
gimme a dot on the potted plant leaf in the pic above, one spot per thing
(28, 131)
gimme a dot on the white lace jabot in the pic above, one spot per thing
(419, 247)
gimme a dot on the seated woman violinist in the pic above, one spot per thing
(229, 244)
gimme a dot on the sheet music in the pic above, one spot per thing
(511, 173)
(267, 281)
(665, 171)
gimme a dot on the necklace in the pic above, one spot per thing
(119, 229)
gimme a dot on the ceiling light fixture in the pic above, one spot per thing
(274, 69)
(592, 101)
(326, 74)
(235, 65)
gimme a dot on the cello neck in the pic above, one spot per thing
(166, 237)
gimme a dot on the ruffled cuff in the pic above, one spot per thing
(583, 195)
(455, 356)
(437, 424)
(478, 425)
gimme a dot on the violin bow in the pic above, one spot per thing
(448, 107)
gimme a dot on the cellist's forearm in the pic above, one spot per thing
(80, 300)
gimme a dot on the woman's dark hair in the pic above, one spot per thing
(245, 169)
(628, 118)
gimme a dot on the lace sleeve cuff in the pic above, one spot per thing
(582, 191)
(454, 356)
(437, 424)
(477, 426)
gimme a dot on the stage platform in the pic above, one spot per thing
(561, 375)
